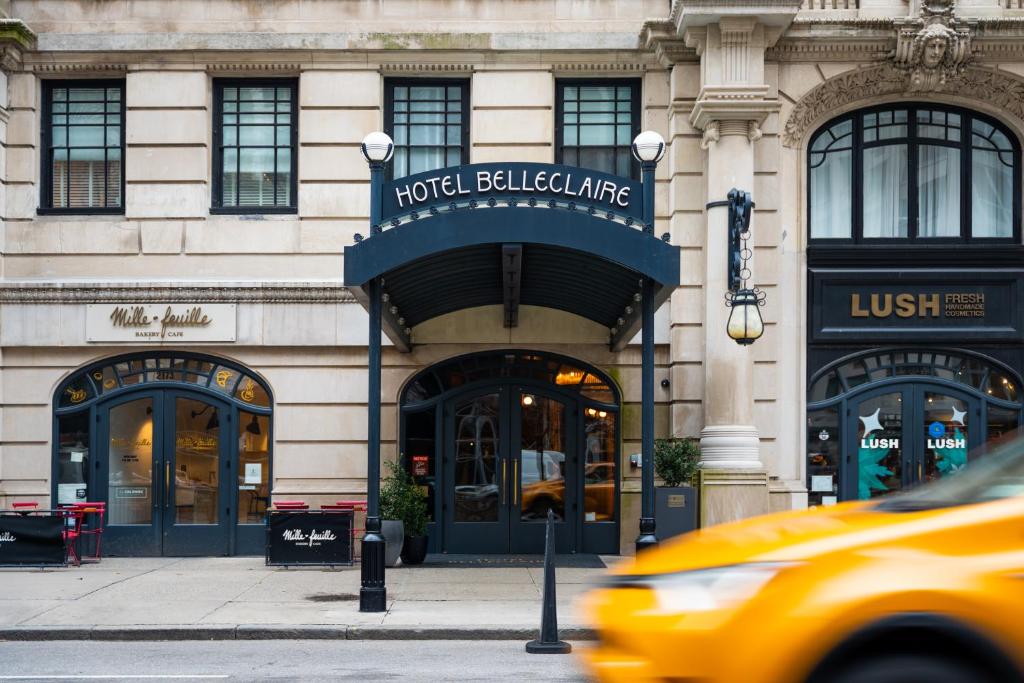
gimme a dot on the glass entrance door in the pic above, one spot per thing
(165, 467)
(906, 434)
(510, 460)
(196, 477)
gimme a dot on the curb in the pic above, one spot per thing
(282, 632)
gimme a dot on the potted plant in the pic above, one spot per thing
(676, 462)
(404, 510)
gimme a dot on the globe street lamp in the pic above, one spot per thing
(377, 149)
(648, 149)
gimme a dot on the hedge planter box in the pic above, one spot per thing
(675, 510)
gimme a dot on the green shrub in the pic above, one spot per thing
(402, 498)
(676, 460)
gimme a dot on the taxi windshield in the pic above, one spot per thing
(998, 474)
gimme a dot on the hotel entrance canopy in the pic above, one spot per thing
(514, 233)
(508, 233)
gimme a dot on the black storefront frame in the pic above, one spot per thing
(242, 539)
(848, 397)
(217, 132)
(912, 142)
(46, 207)
(589, 536)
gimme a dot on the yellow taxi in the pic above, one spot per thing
(921, 587)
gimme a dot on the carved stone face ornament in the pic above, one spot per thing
(934, 51)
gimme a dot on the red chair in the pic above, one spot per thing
(355, 506)
(72, 532)
(94, 528)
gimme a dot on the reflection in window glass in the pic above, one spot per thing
(542, 458)
(427, 125)
(253, 467)
(196, 462)
(130, 484)
(823, 444)
(598, 125)
(599, 465)
(73, 458)
(991, 182)
(419, 453)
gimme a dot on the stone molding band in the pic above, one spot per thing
(831, 98)
(87, 293)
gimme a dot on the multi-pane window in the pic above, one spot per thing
(914, 172)
(83, 147)
(255, 160)
(596, 122)
(429, 123)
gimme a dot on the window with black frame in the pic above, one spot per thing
(255, 132)
(596, 122)
(914, 172)
(82, 147)
(429, 123)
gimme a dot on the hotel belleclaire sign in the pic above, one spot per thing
(916, 305)
(482, 182)
(160, 323)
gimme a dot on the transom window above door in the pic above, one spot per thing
(915, 173)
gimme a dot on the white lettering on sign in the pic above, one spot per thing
(160, 323)
(947, 443)
(7, 537)
(875, 442)
(439, 187)
(313, 539)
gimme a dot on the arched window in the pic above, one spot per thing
(914, 172)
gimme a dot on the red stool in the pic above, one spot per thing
(72, 532)
(290, 505)
(355, 506)
(25, 505)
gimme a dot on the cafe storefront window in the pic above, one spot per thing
(178, 446)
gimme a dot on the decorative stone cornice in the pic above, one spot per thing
(661, 38)
(997, 88)
(105, 292)
(15, 39)
(282, 67)
(426, 67)
(76, 67)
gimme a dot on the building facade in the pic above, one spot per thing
(181, 182)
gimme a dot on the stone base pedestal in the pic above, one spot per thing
(728, 495)
(733, 447)
(786, 495)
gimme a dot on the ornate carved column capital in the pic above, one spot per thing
(731, 110)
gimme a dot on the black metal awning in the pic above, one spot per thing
(540, 251)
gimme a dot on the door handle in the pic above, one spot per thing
(167, 485)
(515, 481)
(504, 479)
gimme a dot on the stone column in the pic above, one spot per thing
(730, 109)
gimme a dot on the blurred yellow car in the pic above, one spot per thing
(922, 587)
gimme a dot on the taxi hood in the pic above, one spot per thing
(786, 536)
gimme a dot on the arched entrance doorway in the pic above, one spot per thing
(889, 418)
(499, 438)
(177, 445)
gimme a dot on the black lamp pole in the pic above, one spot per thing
(647, 537)
(372, 592)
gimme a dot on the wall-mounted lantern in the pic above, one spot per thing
(745, 324)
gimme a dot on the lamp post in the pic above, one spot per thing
(745, 324)
(648, 148)
(377, 149)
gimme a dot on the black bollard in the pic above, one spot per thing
(548, 643)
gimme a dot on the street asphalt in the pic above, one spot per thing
(293, 660)
(241, 598)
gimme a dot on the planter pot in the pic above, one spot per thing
(675, 510)
(394, 534)
(414, 549)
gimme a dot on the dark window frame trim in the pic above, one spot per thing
(389, 111)
(217, 165)
(912, 141)
(636, 112)
(45, 207)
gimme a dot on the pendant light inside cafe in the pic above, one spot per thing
(745, 324)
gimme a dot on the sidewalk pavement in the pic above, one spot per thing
(241, 598)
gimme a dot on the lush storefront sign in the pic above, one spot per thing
(916, 305)
(160, 322)
(482, 182)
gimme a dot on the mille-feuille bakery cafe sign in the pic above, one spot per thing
(902, 305)
(160, 323)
